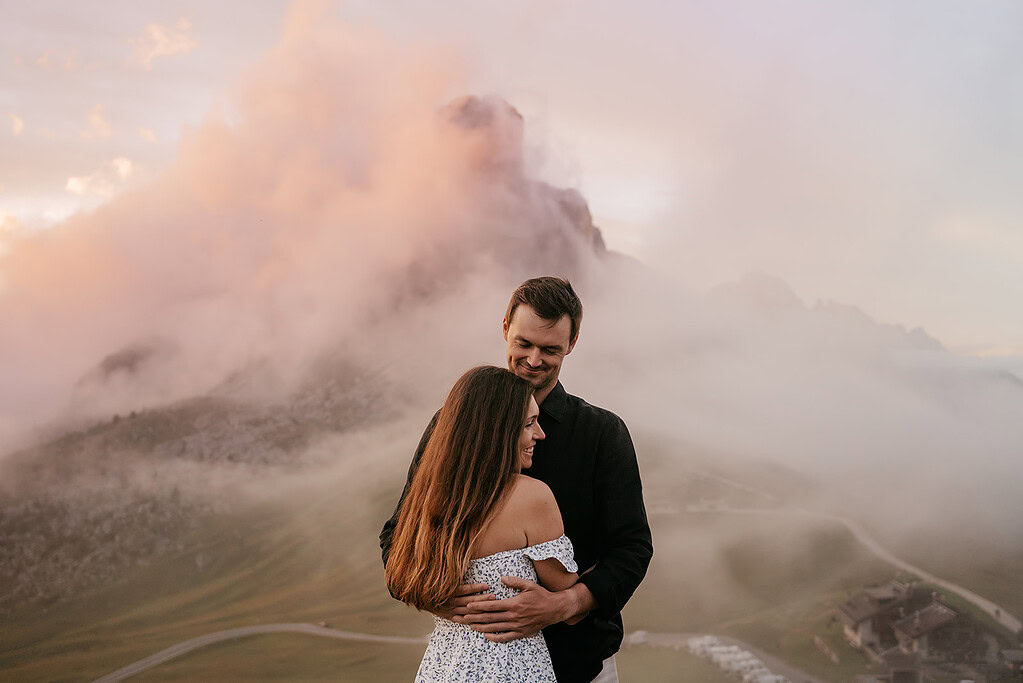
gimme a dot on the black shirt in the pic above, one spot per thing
(589, 462)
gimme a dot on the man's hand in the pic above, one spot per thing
(520, 616)
(464, 595)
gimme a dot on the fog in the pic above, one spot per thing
(318, 201)
(347, 201)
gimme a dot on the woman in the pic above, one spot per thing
(470, 516)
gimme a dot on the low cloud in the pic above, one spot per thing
(8, 226)
(316, 212)
(983, 234)
(346, 209)
(17, 125)
(71, 61)
(98, 125)
(104, 181)
(158, 40)
(147, 134)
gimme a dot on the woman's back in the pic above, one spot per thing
(529, 516)
(512, 522)
(458, 653)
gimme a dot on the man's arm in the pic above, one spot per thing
(525, 614)
(622, 523)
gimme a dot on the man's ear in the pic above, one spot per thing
(504, 328)
(571, 344)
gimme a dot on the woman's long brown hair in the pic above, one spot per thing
(468, 465)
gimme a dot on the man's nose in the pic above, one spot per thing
(533, 358)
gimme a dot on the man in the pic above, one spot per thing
(589, 462)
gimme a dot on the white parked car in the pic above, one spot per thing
(744, 666)
(699, 644)
(754, 675)
(720, 654)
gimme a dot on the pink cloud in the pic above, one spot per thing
(104, 181)
(339, 181)
(158, 40)
(98, 125)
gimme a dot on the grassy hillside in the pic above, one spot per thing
(313, 561)
(307, 552)
(317, 560)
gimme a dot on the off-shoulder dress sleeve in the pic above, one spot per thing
(560, 549)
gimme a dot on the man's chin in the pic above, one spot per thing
(540, 382)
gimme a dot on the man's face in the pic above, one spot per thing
(537, 347)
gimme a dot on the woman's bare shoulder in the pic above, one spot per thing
(528, 491)
(538, 510)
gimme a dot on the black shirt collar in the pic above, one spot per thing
(556, 403)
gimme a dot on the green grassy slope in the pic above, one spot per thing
(313, 561)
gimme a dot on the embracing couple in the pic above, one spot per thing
(522, 526)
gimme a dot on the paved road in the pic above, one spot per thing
(210, 638)
(997, 612)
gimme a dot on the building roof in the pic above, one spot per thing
(871, 601)
(858, 608)
(926, 620)
(892, 590)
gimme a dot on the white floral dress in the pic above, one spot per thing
(456, 653)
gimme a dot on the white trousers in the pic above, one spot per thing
(609, 674)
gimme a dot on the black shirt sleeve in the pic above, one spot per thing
(387, 533)
(625, 532)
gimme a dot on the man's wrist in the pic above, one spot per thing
(576, 600)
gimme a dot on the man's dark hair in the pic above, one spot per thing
(551, 298)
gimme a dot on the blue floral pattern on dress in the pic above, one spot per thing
(457, 654)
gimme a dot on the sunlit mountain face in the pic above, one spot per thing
(213, 384)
